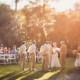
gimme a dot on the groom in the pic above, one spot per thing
(63, 52)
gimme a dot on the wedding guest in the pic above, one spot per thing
(9, 50)
(1, 50)
(78, 46)
(63, 53)
(5, 51)
(45, 59)
(18, 55)
(32, 55)
(37, 57)
(40, 57)
(22, 55)
(50, 53)
(14, 51)
(77, 61)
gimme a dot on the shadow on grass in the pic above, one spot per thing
(8, 75)
(17, 75)
(26, 75)
(72, 74)
(14, 75)
(74, 70)
(31, 75)
(37, 74)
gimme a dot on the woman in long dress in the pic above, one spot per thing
(55, 60)
(77, 61)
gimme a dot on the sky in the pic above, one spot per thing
(59, 5)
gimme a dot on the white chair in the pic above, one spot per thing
(4, 58)
(12, 58)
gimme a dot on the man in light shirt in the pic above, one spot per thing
(32, 54)
(49, 53)
(22, 55)
(45, 58)
(63, 53)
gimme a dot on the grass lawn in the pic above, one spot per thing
(12, 72)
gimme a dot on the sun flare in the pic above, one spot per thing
(58, 5)
(63, 5)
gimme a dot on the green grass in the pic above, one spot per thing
(12, 72)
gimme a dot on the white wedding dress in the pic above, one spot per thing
(77, 62)
(55, 60)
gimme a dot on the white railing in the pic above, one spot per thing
(12, 58)
(7, 58)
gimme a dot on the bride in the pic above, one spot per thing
(55, 61)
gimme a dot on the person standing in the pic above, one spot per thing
(1, 50)
(32, 54)
(55, 60)
(78, 48)
(45, 58)
(63, 53)
(9, 50)
(49, 53)
(14, 51)
(77, 61)
(5, 50)
(22, 55)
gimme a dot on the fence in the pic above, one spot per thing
(7, 58)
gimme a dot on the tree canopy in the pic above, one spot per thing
(39, 23)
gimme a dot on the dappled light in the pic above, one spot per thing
(48, 75)
(12, 72)
(20, 18)
(29, 73)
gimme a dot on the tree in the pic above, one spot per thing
(7, 23)
(77, 6)
(16, 2)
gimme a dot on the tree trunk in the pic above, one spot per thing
(16, 1)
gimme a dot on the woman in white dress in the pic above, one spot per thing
(55, 61)
(77, 61)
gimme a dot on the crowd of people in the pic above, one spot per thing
(5, 50)
(48, 55)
